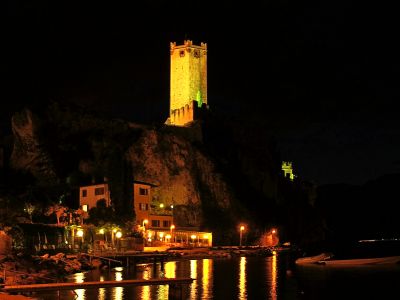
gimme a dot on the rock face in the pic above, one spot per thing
(5, 243)
(28, 154)
(209, 182)
(185, 176)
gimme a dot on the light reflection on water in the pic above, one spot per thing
(260, 278)
(80, 293)
(242, 279)
(214, 279)
(274, 274)
(207, 278)
(193, 274)
(118, 292)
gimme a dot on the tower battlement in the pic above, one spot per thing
(188, 81)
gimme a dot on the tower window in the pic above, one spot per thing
(182, 53)
(196, 53)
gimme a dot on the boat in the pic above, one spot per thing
(363, 253)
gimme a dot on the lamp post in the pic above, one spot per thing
(79, 233)
(118, 235)
(145, 221)
(241, 235)
(171, 231)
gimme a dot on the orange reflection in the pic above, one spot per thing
(274, 275)
(146, 289)
(207, 274)
(118, 292)
(102, 291)
(242, 279)
(80, 293)
(193, 274)
(170, 270)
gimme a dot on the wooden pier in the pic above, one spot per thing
(175, 291)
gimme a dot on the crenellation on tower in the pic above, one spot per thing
(188, 89)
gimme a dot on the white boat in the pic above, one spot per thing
(390, 260)
(327, 259)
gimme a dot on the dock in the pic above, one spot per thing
(175, 291)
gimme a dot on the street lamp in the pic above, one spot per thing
(241, 234)
(193, 236)
(145, 221)
(171, 231)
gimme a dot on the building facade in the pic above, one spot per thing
(146, 215)
(89, 195)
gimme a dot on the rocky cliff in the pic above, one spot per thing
(62, 144)
(29, 153)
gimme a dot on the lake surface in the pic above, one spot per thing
(244, 278)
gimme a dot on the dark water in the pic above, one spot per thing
(245, 278)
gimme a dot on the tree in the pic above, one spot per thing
(56, 209)
(29, 208)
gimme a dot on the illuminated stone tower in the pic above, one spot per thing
(287, 169)
(188, 90)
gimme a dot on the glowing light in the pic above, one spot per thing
(168, 236)
(193, 236)
(274, 231)
(101, 231)
(115, 230)
(205, 236)
(172, 206)
(241, 228)
(85, 207)
(172, 226)
(161, 205)
(145, 222)
(161, 234)
(79, 233)
(242, 279)
(118, 234)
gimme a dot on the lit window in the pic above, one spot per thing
(99, 191)
(85, 207)
(84, 193)
(143, 191)
(155, 223)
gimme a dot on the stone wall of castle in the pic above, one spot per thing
(188, 75)
(187, 114)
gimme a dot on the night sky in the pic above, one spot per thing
(321, 76)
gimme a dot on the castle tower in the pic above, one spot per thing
(188, 89)
(287, 170)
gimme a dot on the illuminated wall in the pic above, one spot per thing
(188, 81)
(141, 201)
(89, 195)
